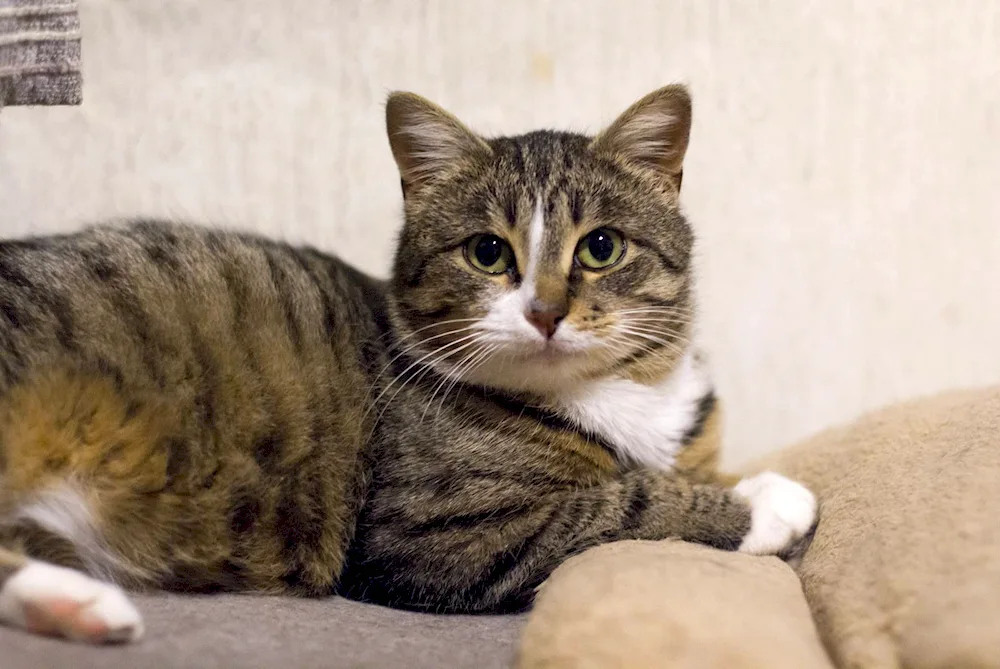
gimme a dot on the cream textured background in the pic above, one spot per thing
(843, 174)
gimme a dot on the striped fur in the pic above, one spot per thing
(190, 409)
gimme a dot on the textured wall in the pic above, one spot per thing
(843, 173)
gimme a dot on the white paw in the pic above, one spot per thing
(53, 600)
(781, 512)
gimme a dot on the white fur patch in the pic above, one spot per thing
(644, 424)
(104, 613)
(505, 322)
(63, 511)
(536, 233)
(781, 512)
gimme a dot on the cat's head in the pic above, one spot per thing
(531, 262)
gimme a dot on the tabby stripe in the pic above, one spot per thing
(467, 521)
(10, 274)
(98, 264)
(137, 323)
(209, 381)
(649, 347)
(653, 301)
(414, 277)
(668, 263)
(62, 310)
(265, 447)
(636, 506)
(706, 406)
(437, 314)
(576, 206)
(329, 319)
(57, 305)
(280, 281)
(509, 559)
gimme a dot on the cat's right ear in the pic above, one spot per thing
(652, 133)
(426, 140)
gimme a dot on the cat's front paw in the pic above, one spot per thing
(782, 515)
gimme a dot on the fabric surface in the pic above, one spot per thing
(643, 605)
(842, 175)
(245, 632)
(903, 573)
(40, 52)
(904, 570)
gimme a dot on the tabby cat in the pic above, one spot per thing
(190, 409)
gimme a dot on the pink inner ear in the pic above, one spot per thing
(653, 132)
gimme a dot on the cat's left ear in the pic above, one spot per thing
(426, 140)
(652, 133)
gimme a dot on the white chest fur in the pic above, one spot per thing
(645, 424)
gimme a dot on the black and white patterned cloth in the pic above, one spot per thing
(40, 53)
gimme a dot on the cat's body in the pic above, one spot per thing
(190, 409)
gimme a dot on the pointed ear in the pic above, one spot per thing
(653, 133)
(426, 140)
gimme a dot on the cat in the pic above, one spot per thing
(190, 409)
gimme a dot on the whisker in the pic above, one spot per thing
(650, 335)
(417, 376)
(476, 361)
(426, 327)
(630, 347)
(445, 347)
(659, 319)
(667, 337)
(674, 310)
(434, 325)
(626, 346)
(412, 345)
(652, 314)
(447, 376)
(648, 327)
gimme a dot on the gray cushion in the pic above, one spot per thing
(248, 632)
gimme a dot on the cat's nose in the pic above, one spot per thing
(545, 317)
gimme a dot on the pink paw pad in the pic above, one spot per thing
(55, 601)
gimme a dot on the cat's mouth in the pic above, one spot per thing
(550, 352)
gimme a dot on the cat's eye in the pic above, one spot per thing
(601, 249)
(489, 253)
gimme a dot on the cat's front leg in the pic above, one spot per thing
(482, 552)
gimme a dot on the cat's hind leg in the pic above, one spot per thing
(56, 567)
(48, 599)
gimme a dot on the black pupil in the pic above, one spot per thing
(488, 251)
(601, 245)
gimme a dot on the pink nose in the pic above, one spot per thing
(544, 317)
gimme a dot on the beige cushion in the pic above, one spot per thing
(905, 567)
(638, 604)
(904, 571)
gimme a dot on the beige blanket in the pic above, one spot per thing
(904, 571)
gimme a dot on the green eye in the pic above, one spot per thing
(489, 253)
(600, 249)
